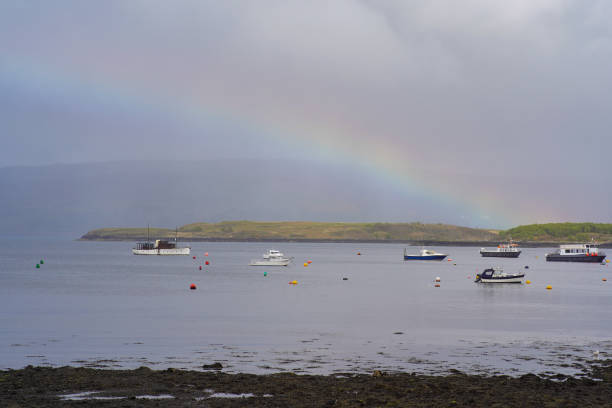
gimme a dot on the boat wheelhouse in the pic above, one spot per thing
(273, 254)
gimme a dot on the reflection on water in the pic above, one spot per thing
(95, 304)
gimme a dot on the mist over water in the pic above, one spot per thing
(172, 193)
(95, 304)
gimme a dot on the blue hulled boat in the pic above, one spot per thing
(424, 255)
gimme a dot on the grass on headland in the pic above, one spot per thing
(379, 232)
(251, 230)
(560, 232)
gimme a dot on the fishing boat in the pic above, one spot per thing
(504, 250)
(577, 253)
(497, 275)
(424, 255)
(160, 247)
(271, 258)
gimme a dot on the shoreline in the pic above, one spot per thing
(475, 244)
(45, 387)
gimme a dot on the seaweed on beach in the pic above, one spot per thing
(67, 386)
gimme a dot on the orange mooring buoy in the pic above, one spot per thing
(205, 253)
(193, 286)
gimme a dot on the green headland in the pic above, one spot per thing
(363, 232)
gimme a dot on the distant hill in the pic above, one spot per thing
(536, 234)
(305, 231)
(560, 232)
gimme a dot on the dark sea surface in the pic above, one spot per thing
(95, 304)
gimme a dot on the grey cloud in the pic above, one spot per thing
(474, 87)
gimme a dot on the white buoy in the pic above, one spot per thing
(437, 279)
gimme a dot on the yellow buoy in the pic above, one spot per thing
(548, 287)
(305, 263)
(528, 282)
(607, 261)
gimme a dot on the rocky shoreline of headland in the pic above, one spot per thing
(54, 387)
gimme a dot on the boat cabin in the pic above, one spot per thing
(162, 244)
(145, 245)
(507, 248)
(577, 249)
(159, 244)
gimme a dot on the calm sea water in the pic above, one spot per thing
(95, 304)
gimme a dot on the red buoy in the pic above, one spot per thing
(200, 267)
(207, 263)
(193, 286)
(205, 253)
(194, 257)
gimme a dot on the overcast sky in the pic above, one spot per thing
(500, 106)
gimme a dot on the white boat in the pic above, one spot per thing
(497, 275)
(508, 250)
(577, 253)
(271, 258)
(160, 247)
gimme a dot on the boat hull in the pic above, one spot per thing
(162, 251)
(270, 263)
(500, 254)
(424, 257)
(575, 258)
(504, 279)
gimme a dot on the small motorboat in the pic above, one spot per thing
(497, 275)
(424, 255)
(271, 258)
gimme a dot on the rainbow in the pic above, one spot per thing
(324, 140)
